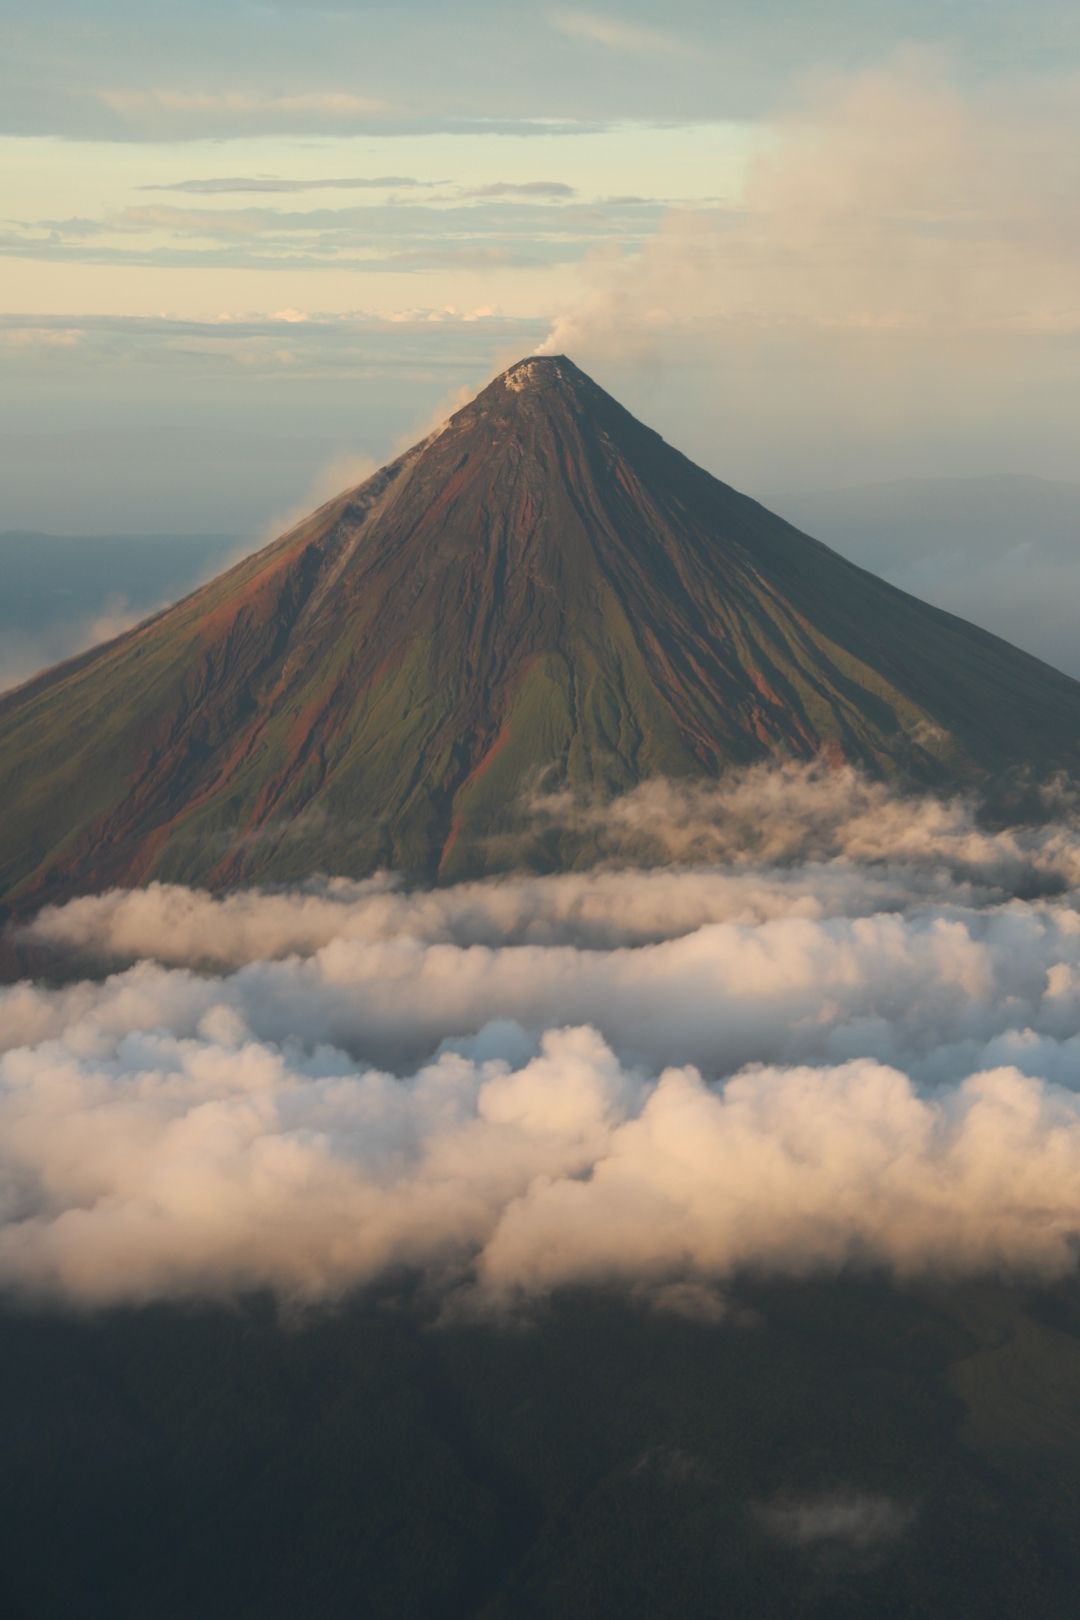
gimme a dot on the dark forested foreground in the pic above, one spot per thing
(824, 1449)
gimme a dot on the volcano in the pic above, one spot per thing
(542, 594)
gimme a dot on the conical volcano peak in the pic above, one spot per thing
(540, 593)
(546, 381)
(539, 395)
(541, 371)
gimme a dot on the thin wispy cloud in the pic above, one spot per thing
(184, 112)
(180, 114)
(328, 104)
(309, 344)
(524, 188)
(40, 337)
(616, 34)
(529, 225)
(489, 64)
(225, 185)
(517, 211)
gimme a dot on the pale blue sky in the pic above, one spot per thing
(813, 243)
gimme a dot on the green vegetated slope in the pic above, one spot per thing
(544, 593)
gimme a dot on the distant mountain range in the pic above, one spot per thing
(543, 594)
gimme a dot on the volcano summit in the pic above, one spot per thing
(543, 592)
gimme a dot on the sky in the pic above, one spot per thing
(814, 245)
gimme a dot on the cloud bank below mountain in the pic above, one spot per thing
(860, 1048)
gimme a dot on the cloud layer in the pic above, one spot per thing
(655, 1078)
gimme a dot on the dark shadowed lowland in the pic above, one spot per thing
(540, 1068)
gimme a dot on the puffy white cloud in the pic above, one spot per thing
(660, 1078)
(794, 812)
(150, 1165)
(789, 988)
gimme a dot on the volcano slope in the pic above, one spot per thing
(543, 594)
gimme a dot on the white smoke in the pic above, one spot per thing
(868, 1054)
(893, 200)
(894, 272)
